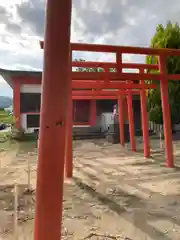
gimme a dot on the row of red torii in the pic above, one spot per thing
(55, 147)
(116, 85)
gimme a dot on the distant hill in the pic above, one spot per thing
(5, 102)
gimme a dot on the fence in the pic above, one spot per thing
(156, 128)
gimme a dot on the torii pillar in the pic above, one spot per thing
(166, 112)
(131, 122)
(55, 90)
(121, 118)
(144, 120)
(69, 138)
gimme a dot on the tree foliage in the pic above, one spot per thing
(165, 37)
(98, 69)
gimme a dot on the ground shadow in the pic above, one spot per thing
(112, 205)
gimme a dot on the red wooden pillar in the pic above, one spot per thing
(121, 119)
(16, 103)
(92, 112)
(55, 85)
(69, 143)
(131, 122)
(166, 113)
(144, 120)
(69, 125)
(120, 100)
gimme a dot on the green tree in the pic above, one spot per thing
(165, 37)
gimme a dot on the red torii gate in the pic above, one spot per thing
(115, 94)
(79, 82)
(57, 89)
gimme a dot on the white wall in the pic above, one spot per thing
(23, 120)
(106, 120)
(30, 88)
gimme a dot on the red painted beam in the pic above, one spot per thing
(114, 65)
(87, 84)
(121, 49)
(96, 97)
(103, 93)
(93, 97)
(111, 85)
(114, 76)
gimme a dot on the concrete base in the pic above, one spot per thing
(113, 134)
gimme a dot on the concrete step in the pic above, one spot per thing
(87, 132)
(86, 129)
(82, 137)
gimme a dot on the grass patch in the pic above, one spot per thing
(14, 133)
(28, 137)
(5, 141)
(5, 117)
(4, 135)
(8, 146)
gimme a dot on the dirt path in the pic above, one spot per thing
(114, 194)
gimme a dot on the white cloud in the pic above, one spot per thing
(5, 90)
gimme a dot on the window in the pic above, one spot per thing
(30, 102)
(33, 121)
(81, 110)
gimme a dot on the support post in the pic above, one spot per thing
(92, 112)
(119, 62)
(166, 113)
(120, 100)
(55, 90)
(121, 119)
(131, 122)
(69, 143)
(144, 119)
(16, 103)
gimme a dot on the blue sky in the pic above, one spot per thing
(120, 22)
